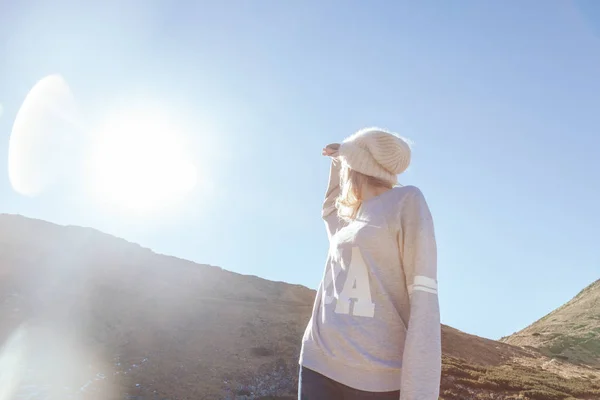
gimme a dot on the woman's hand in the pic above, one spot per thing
(331, 149)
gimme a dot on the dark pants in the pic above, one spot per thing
(314, 386)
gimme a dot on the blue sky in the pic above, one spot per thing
(500, 98)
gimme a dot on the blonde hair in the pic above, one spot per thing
(352, 184)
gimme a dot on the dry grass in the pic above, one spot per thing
(462, 380)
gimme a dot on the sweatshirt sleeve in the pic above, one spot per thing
(329, 213)
(333, 187)
(422, 364)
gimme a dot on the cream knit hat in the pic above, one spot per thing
(376, 152)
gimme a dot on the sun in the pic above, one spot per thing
(138, 163)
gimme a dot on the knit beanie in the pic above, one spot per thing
(376, 152)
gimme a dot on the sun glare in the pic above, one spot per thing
(139, 164)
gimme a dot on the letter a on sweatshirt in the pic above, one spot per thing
(357, 287)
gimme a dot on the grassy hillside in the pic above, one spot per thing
(571, 332)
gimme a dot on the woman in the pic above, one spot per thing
(375, 326)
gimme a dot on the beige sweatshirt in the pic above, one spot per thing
(375, 324)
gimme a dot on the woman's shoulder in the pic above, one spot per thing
(403, 192)
(405, 199)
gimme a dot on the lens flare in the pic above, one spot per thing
(11, 364)
(43, 125)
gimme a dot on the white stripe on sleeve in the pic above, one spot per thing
(424, 284)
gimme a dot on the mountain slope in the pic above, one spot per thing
(571, 332)
(85, 315)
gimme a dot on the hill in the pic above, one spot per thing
(571, 332)
(85, 315)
